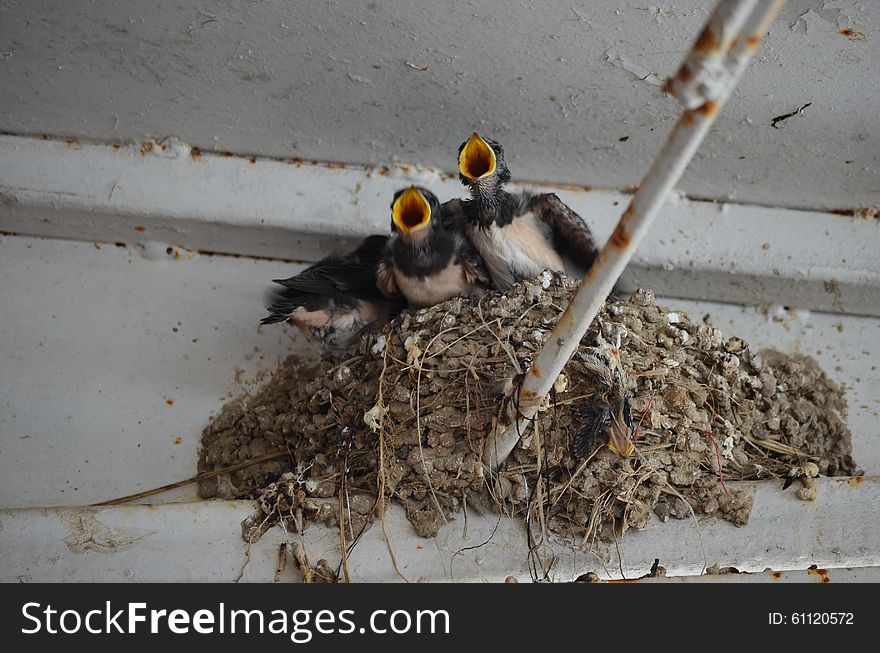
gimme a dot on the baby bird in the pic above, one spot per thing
(609, 414)
(424, 261)
(336, 299)
(519, 235)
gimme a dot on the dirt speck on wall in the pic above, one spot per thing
(405, 419)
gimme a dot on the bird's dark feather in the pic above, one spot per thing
(474, 266)
(571, 235)
(335, 281)
(596, 421)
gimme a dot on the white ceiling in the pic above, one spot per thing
(570, 88)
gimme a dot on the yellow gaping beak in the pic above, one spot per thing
(619, 440)
(477, 159)
(411, 211)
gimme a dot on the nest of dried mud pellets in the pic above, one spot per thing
(406, 419)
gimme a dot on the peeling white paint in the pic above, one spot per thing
(839, 530)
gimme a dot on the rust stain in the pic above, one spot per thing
(71, 143)
(140, 228)
(707, 41)
(685, 74)
(536, 371)
(855, 481)
(296, 161)
(116, 146)
(687, 118)
(224, 153)
(146, 148)
(753, 42)
(97, 246)
(621, 237)
(195, 153)
(821, 573)
(252, 159)
(178, 439)
(777, 575)
(852, 34)
(708, 109)
(170, 402)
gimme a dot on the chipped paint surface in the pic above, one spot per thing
(127, 71)
(491, 548)
(87, 533)
(174, 334)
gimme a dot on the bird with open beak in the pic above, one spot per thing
(518, 235)
(333, 301)
(424, 261)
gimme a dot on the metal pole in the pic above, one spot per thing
(703, 84)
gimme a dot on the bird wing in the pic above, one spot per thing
(353, 273)
(571, 235)
(475, 270)
(338, 281)
(385, 281)
(596, 420)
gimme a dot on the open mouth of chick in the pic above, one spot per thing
(477, 159)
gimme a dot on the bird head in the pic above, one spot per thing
(481, 166)
(412, 212)
(611, 413)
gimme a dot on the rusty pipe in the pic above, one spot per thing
(728, 41)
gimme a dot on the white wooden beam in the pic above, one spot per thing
(169, 542)
(168, 193)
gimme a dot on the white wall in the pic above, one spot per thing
(558, 82)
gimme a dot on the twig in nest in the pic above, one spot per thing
(617, 547)
(540, 474)
(419, 429)
(281, 563)
(647, 408)
(195, 479)
(502, 344)
(247, 559)
(320, 573)
(345, 506)
(471, 548)
(720, 471)
(779, 447)
(381, 471)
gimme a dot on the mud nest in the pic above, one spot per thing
(406, 418)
